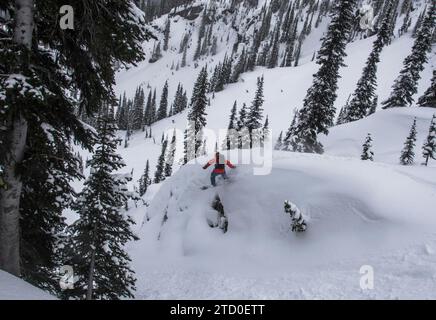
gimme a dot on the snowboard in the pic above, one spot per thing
(219, 182)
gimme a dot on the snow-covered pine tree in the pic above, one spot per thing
(101, 265)
(298, 224)
(145, 180)
(241, 127)
(185, 52)
(429, 147)
(138, 109)
(408, 153)
(255, 116)
(288, 140)
(363, 96)
(239, 67)
(374, 105)
(197, 115)
(197, 53)
(406, 85)
(179, 102)
(367, 153)
(169, 159)
(318, 111)
(159, 174)
(266, 132)
(167, 34)
(46, 193)
(149, 115)
(214, 47)
(163, 105)
(231, 140)
(274, 52)
(279, 143)
(407, 21)
(418, 24)
(428, 99)
(42, 86)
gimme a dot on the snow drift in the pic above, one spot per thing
(12, 288)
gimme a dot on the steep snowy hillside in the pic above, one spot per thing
(378, 214)
(285, 89)
(12, 288)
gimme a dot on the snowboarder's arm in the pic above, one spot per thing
(230, 164)
(207, 165)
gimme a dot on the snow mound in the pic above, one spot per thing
(12, 288)
(358, 213)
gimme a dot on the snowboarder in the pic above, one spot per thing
(220, 167)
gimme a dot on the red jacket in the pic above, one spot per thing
(220, 164)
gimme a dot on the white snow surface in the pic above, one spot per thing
(13, 288)
(377, 214)
(357, 212)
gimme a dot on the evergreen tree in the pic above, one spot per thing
(156, 54)
(214, 48)
(123, 114)
(231, 140)
(429, 147)
(197, 53)
(318, 111)
(239, 67)
(148, 113)
(46, 193)
(241, 127)
(138, 109)
(197, 115)
(367, 153)
(374, 105)
(144, 181)
(289, 56)
(408, 153)
(279, 143)
(429, 97)
(297, 54)
(40, 66)
(254, 117)
(363, 96)
(298, 224)
(418, 24)
(288, 141)
(153, 110)
(266, 132)
(183, 64)
(159, 174)
(163, 106)
(169, 160)
(274, 54)
(405, 86)
(167, 34)
(101, 265)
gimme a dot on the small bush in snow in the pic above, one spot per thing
(367, 153)
(298, 224)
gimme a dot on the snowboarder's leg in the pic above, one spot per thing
(225, 177)
(213, 178)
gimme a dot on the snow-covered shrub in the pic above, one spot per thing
(222, 221)
(298, 224)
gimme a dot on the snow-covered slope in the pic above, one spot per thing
(356, 216)
(12, 288)
(359, 213)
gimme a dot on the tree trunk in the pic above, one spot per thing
(17, 132)
(91, 276)
(10, 200)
